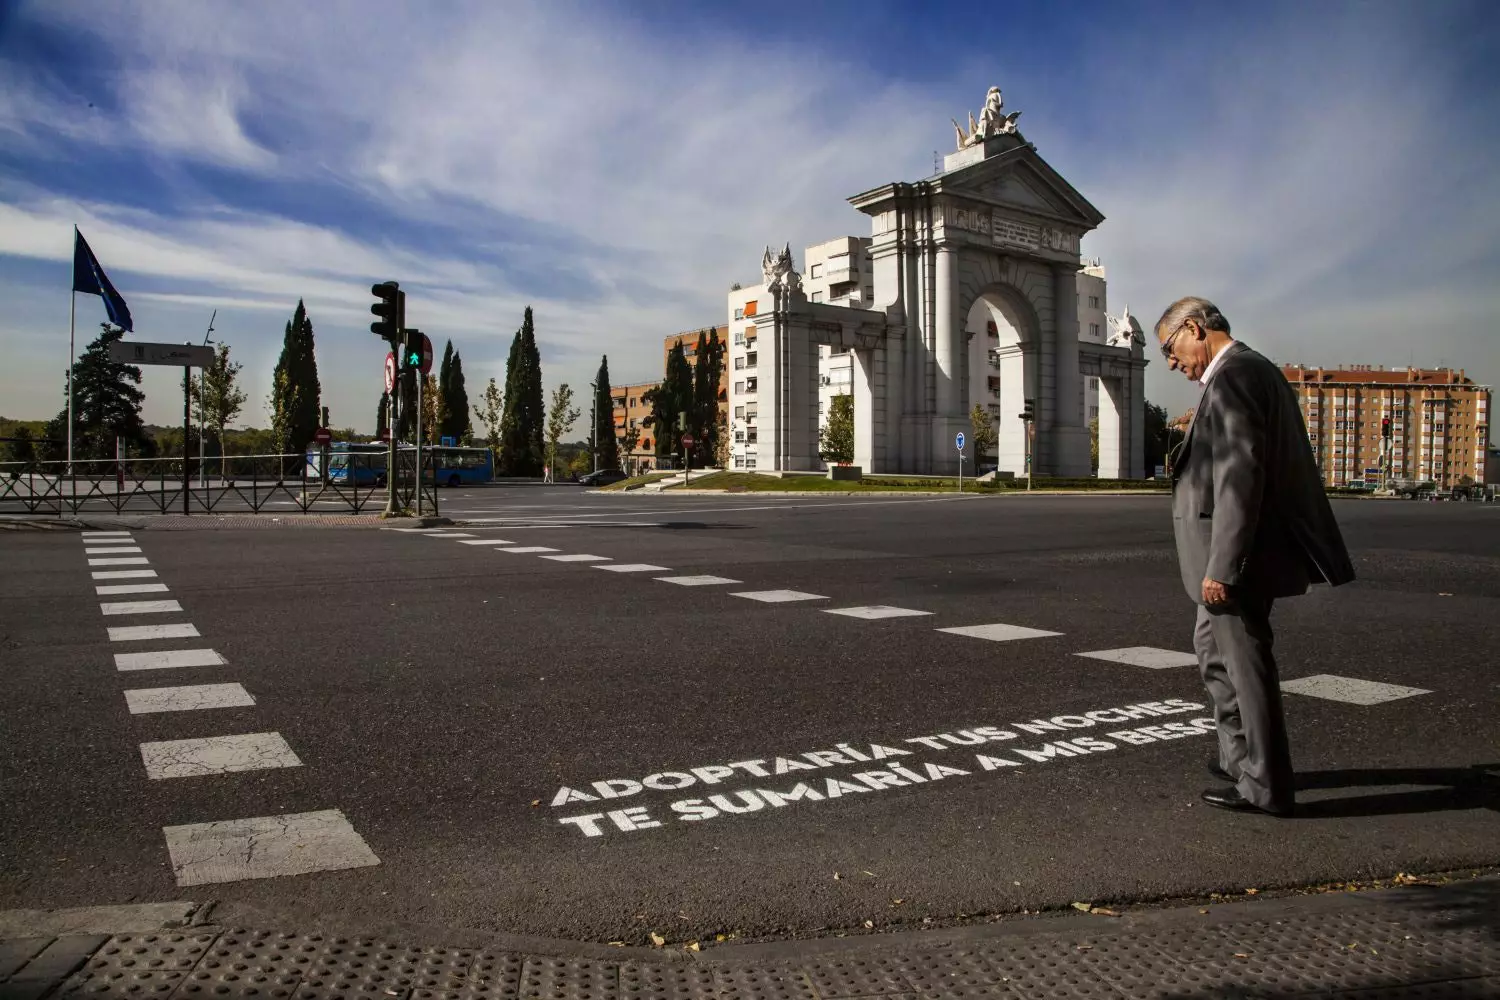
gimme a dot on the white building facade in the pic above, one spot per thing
(969, 290)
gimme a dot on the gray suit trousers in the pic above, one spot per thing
(1239, 672)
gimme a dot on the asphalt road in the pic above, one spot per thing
(458, 704)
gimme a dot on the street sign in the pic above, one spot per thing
(688, 440)
(384, 434)
(390, 372)
(447, 441)
(958, 441)
(322, 436)
(133, 352)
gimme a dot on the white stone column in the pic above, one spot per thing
(1114, 422)
(868, 408)
(1067, 449)
(948, 338)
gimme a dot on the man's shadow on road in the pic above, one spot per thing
(1447, 789)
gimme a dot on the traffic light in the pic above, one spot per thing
(1385, 427)
(390, 306)
(411, 350)
(1028, 412)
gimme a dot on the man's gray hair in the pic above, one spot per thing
(1200, 311)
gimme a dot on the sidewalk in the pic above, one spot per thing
(1412, 941)
(179, 522)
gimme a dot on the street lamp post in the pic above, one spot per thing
(203, 408)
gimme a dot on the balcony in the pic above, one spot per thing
(839, 275)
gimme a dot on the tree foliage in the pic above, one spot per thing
(704, 419)
(382, 413)
(836, 440)
(521, 423)
(672, 397)
(295, 392)
(20, 447)
(217, 394)
(1156, 436)
(562, 415)
(985, 435)
(605, 445)
(455, 420)
(106, 406)
(490, 415)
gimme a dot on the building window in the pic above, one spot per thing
(816, 271)
(750, 384)
(752, 435)
(739, 337)
(817, 296)
(869, 294)
(1093, 382)
(1093, 302)
(739, 387)
(739, 363)
(1093, 329)
(739, 313)
(739, 413)
(750, 359)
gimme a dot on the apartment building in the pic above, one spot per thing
(1439, 421)
(630, 413)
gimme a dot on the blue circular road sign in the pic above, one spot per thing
(958, 441)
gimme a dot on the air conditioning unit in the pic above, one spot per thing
(825, 380)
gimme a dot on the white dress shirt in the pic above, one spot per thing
(1213, 365)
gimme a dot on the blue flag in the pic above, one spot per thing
(89, 277)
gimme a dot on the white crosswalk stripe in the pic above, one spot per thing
(165, 659)
(696, 581)
(633, 568)
(112, 550)
(131, 588)
(140, 607)
(120, 561)
(998, 632)
(1352, 690)
(1144, 656)
(190, 698)
(216, 755)
(124, 574)
(265, 847)
(105, 536)
(486, 541)
(778, 596)
(526, 550)
(136, 633)
(577, 557)
(872, 612)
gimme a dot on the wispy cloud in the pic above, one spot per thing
(619, 176)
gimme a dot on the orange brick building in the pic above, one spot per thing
(1439, 423)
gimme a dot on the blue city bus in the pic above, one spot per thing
(364, 463)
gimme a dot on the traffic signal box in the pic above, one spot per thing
(390, 308)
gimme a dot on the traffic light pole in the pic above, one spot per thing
(417, 482)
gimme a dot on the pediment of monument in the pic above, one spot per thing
(1022, 179)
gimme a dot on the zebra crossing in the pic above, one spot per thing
(217, 850)
(1329, 687)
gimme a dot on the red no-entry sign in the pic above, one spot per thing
(687, 440)
(322, 435)
(390, 372)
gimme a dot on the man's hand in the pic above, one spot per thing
(1214, 592)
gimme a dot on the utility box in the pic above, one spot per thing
(845, 473)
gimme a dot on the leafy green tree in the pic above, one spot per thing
(984, 434)
(1094, 446)
(217, 394)
(836, 440)
(1157, 436)
(605, 444)
(106, 404)
(444, 379)
(560, 418)
(295, 392)
(490, 415)
(630, 440)
(20, 447)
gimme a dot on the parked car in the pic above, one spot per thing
(602, 478)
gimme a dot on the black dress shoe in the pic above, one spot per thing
(1231, 799)
(1217, 771)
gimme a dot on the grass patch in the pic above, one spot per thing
(633, 481)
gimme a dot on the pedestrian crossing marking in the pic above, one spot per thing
(189, 698)
(216, 755)
(113, 550)
(778, 596)
(526, 550)
(1144, 656)
(132, 633)
(486, 541)
(633, 568)
(165, 659)
(130, 588)
(577, 557)
(1352, 690)
(872, 612)
(998, 632)
(121, 561)
(696, 581)
(123, 574)
(140, 607)
(236, 850)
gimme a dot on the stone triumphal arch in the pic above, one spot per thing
(972, 298)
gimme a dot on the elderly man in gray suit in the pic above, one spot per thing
(1252, 524)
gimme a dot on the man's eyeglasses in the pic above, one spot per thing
(1166, 345)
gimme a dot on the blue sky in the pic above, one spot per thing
(1325, 172)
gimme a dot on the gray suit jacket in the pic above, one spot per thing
(1248, 505)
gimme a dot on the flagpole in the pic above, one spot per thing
(72, 315)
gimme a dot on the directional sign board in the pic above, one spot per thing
(958, 441)
(390, 372)
(133, 352)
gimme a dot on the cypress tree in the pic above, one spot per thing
(295, 392)
(511, 432)
(456, 403)
(604, 419)
(674, 395)
(535, 401)
(445, 374)
(705, 408)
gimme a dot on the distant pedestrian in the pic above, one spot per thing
(1252, 523)
(546, 473)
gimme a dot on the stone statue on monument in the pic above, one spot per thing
(992, 121)
(1125, 330)
(778, 271)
